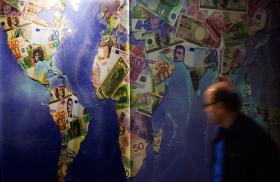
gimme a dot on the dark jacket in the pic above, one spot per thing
(249, 153)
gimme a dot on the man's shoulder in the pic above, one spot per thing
(251, 129)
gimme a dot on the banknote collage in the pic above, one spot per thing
(137, 55)
(33, 41)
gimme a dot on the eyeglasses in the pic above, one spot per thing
(209, 104)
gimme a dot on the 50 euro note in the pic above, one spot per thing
(18, 47)
(113, 80)
(167, 10)
(196, 32)
(226, 5)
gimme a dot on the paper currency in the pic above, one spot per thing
(151, 107)
(8, 10)
(18, 47)
(157, 138)
(236, 35)
(114, 79)
(18, 4)
(11, 22)
(167, 10)
(151, 42)
(139, 71)
(122, 96)
(218, 23)
(140, 124)
(195, 31)
(225, 5)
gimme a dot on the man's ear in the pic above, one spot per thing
(220, 106)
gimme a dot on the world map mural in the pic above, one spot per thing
(112, 90)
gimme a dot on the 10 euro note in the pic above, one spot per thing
(227, 5)
(167, 10)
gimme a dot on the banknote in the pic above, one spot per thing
(167, 10)
(218, 22)
(163, 68)
(199, 57)
(195, 31)
(151, 106)
(191, 8)
(32, 14)
(139, 25)
(7, 10)
(141, 125)
(236, 35)
(102, 68)
(225, 5)
(138, 99)
(157, 138)
(113, 80)
(18, 4)
(139, 71)
(138, 11)
(152, 41)
(18, 47)
(24, 31)
(237, 54)
(122, 96)
(11, 22)
(138, 152)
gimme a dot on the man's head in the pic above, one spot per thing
(222, 103)
(179, 53)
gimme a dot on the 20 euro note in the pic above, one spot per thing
(167, 10)
(228, 5)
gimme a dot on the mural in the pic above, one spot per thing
(112, 90)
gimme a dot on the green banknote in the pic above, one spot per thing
(167, 10)
(113, 80)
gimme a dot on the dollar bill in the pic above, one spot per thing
(225, 5)
(151, 42)
(113, 80)
(167, 10)
(138, 99)
(151, 107)
(195, 31)
(122, 96)
(236, 35)
(11, 22)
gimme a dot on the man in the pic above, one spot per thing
(243, 151)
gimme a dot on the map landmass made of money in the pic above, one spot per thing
(145, 63)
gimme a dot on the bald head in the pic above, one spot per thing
(225, 93)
